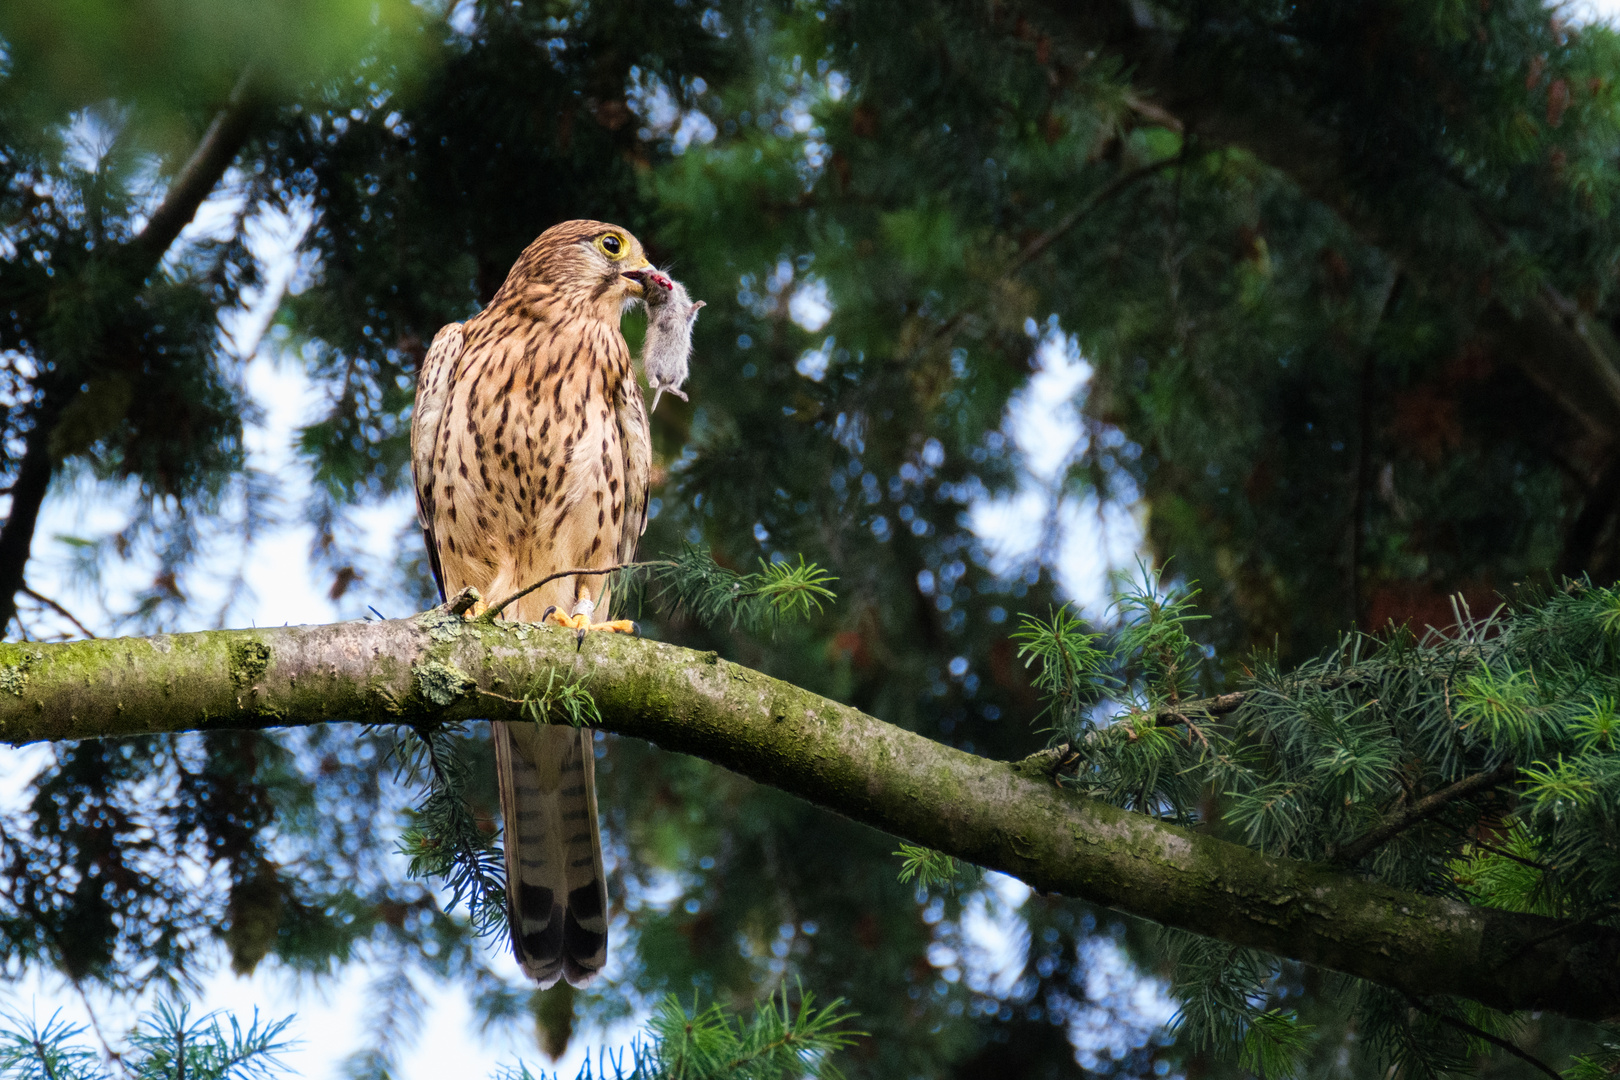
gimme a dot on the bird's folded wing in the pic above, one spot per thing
(635, 441)
(433, 384)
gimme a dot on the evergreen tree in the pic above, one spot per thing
(1344, 272)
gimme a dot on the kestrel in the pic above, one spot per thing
(531, 454)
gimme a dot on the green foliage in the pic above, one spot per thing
(783, 1040)
(165, 1045)
(1506, 872)
(445, 840)
(1275, 1045)
(693, 583)
(1601, 1064)
(1069, 662)
(932, 869)
(1307, 763)
(569, 700)
(778, 1041)
(1305, 369)
(1223, 992)
(1154, 639)
(1142, 759)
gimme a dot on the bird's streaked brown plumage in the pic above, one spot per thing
(531, 454)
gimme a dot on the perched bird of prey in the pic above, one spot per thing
(668, 345)
(531, 455)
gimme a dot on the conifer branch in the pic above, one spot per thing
(1422, 810)
(445, 840)
(1569, 354)
(494, 610)
(1484, 1036)
(1035, 247)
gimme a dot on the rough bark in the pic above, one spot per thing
(1005, 816)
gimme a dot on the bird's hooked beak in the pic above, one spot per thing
(638, 278)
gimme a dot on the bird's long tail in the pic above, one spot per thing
(556, 891)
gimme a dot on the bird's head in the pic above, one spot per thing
(591, 264)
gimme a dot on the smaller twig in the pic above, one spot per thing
(1223, 704)
(1079, 213)
(463, 601)
(1033, 249)
(1474, 841)
(58, 608)
(1495, 1040)
(1208, 708)
(1424, 808)
(1183, 712)
(44, 1055)
(1578, 924)
(95, 1025)
(493, 611)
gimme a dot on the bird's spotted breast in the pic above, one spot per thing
(537, 393)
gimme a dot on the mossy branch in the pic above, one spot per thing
(439, 668)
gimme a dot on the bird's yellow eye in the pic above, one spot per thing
(612, 245)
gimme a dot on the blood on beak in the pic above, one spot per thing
(638, 278)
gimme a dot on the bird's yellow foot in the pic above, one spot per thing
(617, 626)
(580, 622)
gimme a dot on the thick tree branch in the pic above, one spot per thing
(439, 667)
(197, 177)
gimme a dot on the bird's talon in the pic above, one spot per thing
(617, 626)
